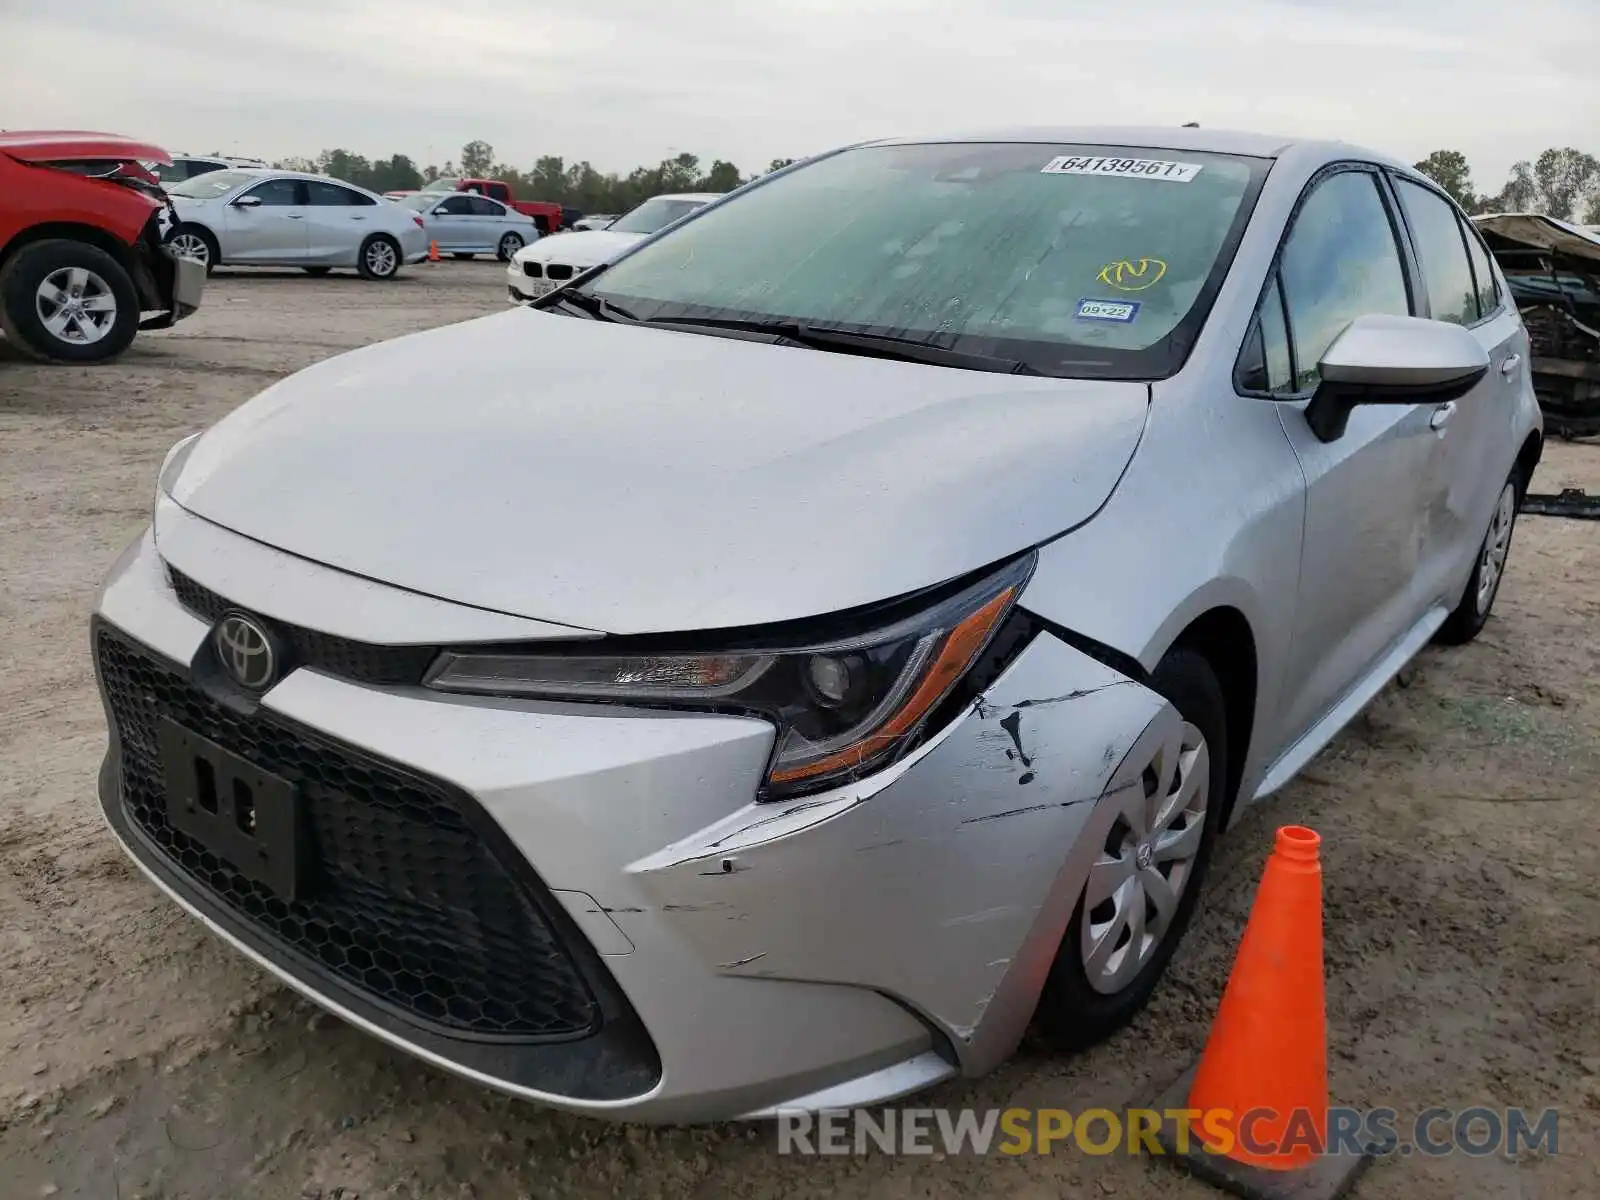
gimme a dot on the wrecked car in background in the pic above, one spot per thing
(83, 266)
(1553, 269)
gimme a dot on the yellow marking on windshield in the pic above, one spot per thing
(1133, 274)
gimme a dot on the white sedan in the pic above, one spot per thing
(465, 224)
(288, 219)
(550, 262)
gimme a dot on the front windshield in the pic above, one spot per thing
(654, 214)
(211, 185)
(1087, 261)
(441, 185)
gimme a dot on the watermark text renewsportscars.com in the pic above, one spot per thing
(1476, 1131)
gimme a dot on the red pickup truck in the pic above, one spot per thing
(83, 264)
(546, 215)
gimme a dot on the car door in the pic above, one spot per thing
(338, 220)
(488, 222)
(272, 230)
(450, 222)
(1369, 492)
(1477, 432)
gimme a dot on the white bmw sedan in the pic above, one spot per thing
(254, 218)
(464, 224)
(775, 670)
(537, 269)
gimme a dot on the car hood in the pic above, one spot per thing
(579, 249)
(58, 145)
(632, 480)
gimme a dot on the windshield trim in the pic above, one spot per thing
(1161, 360)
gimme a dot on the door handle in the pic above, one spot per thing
(1510, 365)
(295, 216)
(1441, 415)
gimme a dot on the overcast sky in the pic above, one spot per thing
(624, 82)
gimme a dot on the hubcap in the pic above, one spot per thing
(1496, 545)
(76, 305)
(380, 258)
(1145, 865)
(191, 245)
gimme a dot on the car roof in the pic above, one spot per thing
(1159, 137)
(706, 196)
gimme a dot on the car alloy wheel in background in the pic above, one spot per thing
(380, 258)
(186, 243)
(509, 245)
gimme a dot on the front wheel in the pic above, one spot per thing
(193, 241)
(379, 258)
(1472, 613)
(1148, 869)
(68, 301)
(509, 245)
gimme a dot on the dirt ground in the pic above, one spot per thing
(141, 1057)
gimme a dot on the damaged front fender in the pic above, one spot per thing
(946, 881)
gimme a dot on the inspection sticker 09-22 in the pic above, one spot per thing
(1120, 311)
(1124, 168)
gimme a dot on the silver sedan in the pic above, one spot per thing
(464, 224)
(250, 217)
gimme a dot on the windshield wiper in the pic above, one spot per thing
(597, 307)
(880, 345)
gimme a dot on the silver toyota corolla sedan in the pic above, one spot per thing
(253, 218)
(775, 670)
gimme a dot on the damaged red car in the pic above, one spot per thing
(83, 266)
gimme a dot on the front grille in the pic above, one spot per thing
(558, 271)
(406, 903)
(361, 662)
(533, 270)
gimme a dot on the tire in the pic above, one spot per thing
(317, 271)
(462, 257)
(509, 245)
(379, 257)
(1073, 1013)
(1477, 601)
(197, 242)
(58, 330)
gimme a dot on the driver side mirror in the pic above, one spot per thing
(247, 202)
(1392, 360)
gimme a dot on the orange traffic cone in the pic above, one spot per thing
(1256, 1105)
(433, 252)
(1268, 1048)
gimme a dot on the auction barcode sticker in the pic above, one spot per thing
(1123, 168)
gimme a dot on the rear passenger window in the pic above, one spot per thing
(1340, 262)
(1452, 295)
(1482, 271)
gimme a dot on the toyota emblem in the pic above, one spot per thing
(246, 652)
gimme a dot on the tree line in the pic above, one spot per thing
(1561, 183)
(578, 185)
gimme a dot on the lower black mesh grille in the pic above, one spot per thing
(405, 902)
(343, 657)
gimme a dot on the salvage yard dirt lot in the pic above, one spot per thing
(141, 1057)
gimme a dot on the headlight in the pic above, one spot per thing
(843, 707)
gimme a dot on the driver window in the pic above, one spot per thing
(278, 193)
(1340, 262)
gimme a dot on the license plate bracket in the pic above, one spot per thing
(247, 816)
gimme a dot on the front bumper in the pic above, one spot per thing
(843, 950)
(169, 287)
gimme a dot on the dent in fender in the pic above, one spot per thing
(945, 882)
